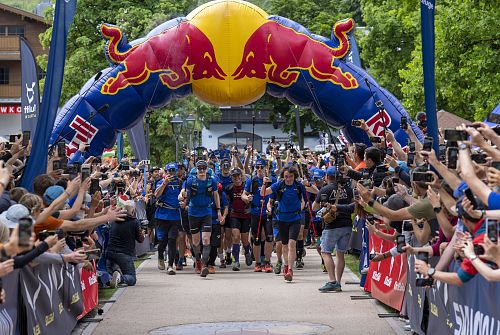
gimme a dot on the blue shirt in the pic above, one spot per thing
(494, 201)
(289, 204)
(199, 203)
(223, 203)
(224, 180)
(169, 198)
(256, 194)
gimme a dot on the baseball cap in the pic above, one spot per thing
(331, 171)
(318, 173)
(52, 193)
(171, 166)
(235, 171)
(155, 168)
(11, 216)
(260, 161)
(201, 163)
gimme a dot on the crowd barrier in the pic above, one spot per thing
(472, 309)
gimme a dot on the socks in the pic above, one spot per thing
(196, 253)
(236, 252)
(300, 248)
(246, 247)
(206, 254)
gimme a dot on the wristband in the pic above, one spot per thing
(67, 193)
(437, 210)
(473, 258)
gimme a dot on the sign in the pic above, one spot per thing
(90, 286)
(8, 310)
(30, 99)
(10, 109)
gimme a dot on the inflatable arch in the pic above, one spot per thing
(230, 53)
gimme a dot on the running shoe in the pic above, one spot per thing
(236, 266)
(204, 272)
(304, 252)
(285, 270)
(229, 258)
(299, 264)
(289, 275)
(179, 267)
(257, 268)
(171, 270)
(198, 266)
(248, 259)
(161, 264)
(331, 287)
(277, 268)
(268, 268)
(115, 280)
(222, 264)
(211, 269)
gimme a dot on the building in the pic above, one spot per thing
(15, 23)
(222, 131)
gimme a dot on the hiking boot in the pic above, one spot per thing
(161, 264)
(331, 287)
(268, 268)
(211, 269)
(179, 267)
(229, 258)
(289, 275)
(204, 272)
(198, 266)
(248, 259)
(277, 268)
(257, 268)
(299, 264)
(171, 270)
(236, 266)
(222, 264)
(115, 280)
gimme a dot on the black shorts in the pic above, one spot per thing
(203, 223)
(266, 226)
(184, 223)
(243, 225)
(227, 223)
(215, 238)
(276, 231)
(288, 230)
(318, 225)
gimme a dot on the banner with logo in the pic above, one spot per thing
(137, 141)
(8, 310)
(30, 98)
(52, 297)
(386, 280)
(414, 298)
(90, 288)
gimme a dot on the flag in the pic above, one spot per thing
(108, 153)
(37, 164)
(30, 98)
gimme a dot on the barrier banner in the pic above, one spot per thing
(90, 287)
(52, 296)
(8, 310)
(414, 298)
(386, 280)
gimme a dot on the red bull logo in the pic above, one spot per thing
(180, 54)
(278, 53)
(376, 123)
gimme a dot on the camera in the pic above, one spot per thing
(404, 123)
(455, 135)
(124, 166)
(356, 123)
(46, 233)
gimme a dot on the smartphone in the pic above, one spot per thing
(422, 176)
(395, 180)
(93, 254)
(479, 158)
(78, 243)
(124, 166)
(355, 194)
(494, 118)
(372, 256)
(26, 138)
(85, 171)
(390, 151)
(407, 225)
(323, 198)
(59, 232)
(94, 186)
(61, 149)
(400, 243)
(492, 227)
(56, 165)
(411, 146)
(77, 167)
(106, 202)
(452, 158)
(25, 230)
(428, 141)
(13, 138)
(404, 123)
(375, 139)
(455, 135)
(442, 153)
(356, 123)
(495, 165)
(423, 256)
(410, 158)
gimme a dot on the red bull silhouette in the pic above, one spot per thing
(278, 53)
(181, 54)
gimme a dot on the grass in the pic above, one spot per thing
(352, 262)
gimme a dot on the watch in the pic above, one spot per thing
(431, 272)
(437, 209)
(463, 146)
(473, 258)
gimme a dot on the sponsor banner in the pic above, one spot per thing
(30, 99)
(414, 298)
(52, 297)
(10, 109)
(386, 280)
(8, 310)
(90, 286)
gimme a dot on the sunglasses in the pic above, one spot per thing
(258, 167)
(202, 168)
(172, 170)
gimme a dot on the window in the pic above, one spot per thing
(16, 31)
(4, 75)
(3, 30)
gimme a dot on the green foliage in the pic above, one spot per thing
(26, 5)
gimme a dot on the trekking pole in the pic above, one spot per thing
(253, 140)
(236, 137)
(260, 219)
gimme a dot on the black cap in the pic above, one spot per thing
(201, 162)
(235, 171)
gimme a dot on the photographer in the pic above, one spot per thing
(375, 169)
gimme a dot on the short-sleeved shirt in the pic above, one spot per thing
(422, 209)
(224, 180)
(223, 203)
(494, 201)
(169, 201)
(467, 270)
(343, 218)
(200, 203)
(290, 202)
(50, 224)
(255, 191)
(239, 209)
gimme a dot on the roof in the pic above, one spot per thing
(24, 13)
(448, 120)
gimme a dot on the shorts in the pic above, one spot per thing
(266, 226)
(184, 223)
(302, 219)
(288, 231)
(337, 238)
(203, 223)
(167, 229)
(215, 238)
(276, 231)
(243, 225)
(227, 223)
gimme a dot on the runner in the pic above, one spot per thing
(227, 238)
(184, 231)
(215, 238)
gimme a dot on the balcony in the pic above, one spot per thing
(9, 48)
(10, 91)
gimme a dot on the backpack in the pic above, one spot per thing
(194, 185)
(281, 190)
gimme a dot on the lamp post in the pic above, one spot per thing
(176, 123)
(190, 122)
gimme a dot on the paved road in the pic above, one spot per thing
(159, 300)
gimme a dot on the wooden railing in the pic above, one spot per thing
(10, 91)
(9, 43)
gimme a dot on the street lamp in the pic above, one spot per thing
(190, 122)
(176, 129)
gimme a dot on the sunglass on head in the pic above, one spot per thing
(258, 167)
(171, 170)
(318, 179)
